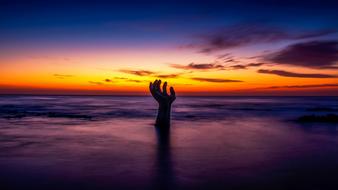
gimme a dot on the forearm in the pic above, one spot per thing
(163, 115)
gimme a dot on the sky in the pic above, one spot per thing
(199, 47)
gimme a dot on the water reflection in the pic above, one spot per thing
(233, 143)
(164, 175)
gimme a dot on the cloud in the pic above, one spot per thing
(238, 67)
(303, 86)
(133, 80)
(122, 78)
(226, 58)
(108, 80)
(255, 64)
(198, 66)
(246, 34)
(137, 72)
(128, 80)
(214, 80)
(313, 54)
(168, 75)
(62, 76)
(329, 67)
(292, 74)
(96, 83)
(229, 61)
(245, 66)
(148, 73)
(215, 66)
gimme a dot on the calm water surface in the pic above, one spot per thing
(92, 142)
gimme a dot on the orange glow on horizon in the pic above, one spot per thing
(102, 73)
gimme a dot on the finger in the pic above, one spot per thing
(159, 86)
(151, 88)
(172, 92)
(165, 88)
(156, 89)
(155, 85)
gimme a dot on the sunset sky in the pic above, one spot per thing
(201, 48)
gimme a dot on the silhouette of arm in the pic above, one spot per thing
(164, 102)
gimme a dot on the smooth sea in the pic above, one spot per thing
(109, 142)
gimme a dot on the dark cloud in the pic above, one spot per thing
(108, 80)
(329, 67)
(246, 34)
(238, 67)
(121, 78)
(255, 64)
(128, 80)
(138, 72)
(313, 54)
(215, 66)
(168, 76)
(214, 80)
(303, 86)
(245, 66)
(199, 66)
(148, 73)
(292, 74)
(96, 83)
(229, 60)
(62, 76)
(133, 80)
(226, 58)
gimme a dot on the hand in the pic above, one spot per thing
(164, 103)
(162, 97)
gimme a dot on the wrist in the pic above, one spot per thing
(164, 106)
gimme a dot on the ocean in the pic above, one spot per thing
(109, 142)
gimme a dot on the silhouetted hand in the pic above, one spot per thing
(162, 97)
(164, 101)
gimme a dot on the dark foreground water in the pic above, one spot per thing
(90, 142)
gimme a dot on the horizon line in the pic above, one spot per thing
(183, 95)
